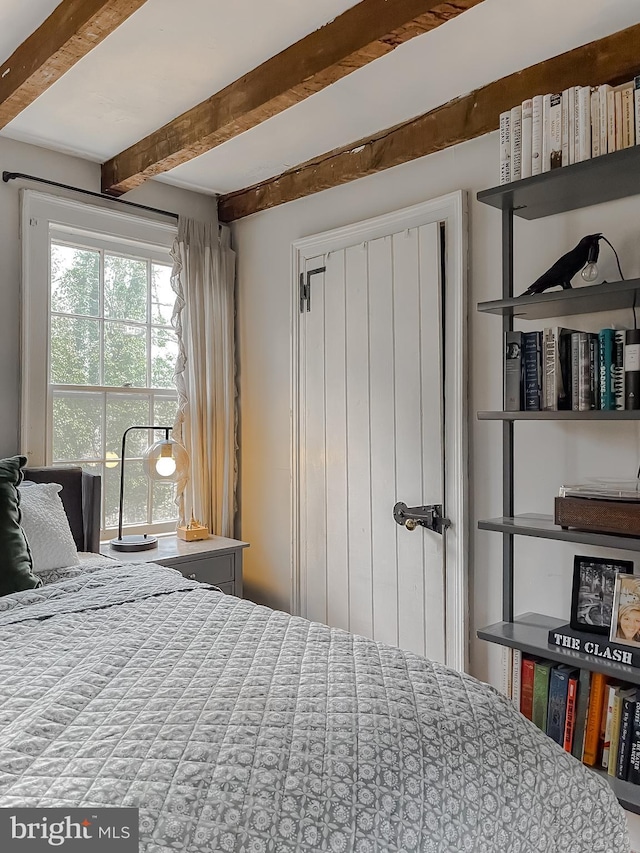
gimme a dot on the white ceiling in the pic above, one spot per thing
(160, 63)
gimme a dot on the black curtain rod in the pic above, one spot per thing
(12, 176)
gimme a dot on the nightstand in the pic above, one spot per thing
(215, 560)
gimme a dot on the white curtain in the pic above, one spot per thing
(203, 279)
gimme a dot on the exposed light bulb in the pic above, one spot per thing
(165, 466)
(590, 272)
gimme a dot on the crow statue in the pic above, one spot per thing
(564, 269)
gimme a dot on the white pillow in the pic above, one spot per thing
(46, 527)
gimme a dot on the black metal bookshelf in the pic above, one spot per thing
(530, 633)
(605, 178)
(543, 527)
(565, 415)
(589, 299)
(602, 179)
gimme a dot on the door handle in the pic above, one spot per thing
(429, 516)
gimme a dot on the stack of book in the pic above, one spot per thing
(560, 369)
(587, 713)
(582, 122)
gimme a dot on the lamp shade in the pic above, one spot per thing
(165, 461)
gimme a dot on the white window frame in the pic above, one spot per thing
(43, 217)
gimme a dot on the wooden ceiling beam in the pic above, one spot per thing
(73, 29)
(613, 59)
(360, 35)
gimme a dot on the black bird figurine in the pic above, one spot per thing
(564, 269)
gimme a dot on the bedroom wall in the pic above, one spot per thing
(547, 454)
(20, 157)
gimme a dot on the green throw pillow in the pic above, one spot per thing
(15, 557)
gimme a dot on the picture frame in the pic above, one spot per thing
(593, 591)
(625, 619)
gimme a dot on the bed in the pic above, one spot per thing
(233, 727)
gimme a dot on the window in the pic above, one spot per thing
(109, 350)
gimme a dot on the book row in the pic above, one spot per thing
(559, 369)
(554, 130)
(594, 718)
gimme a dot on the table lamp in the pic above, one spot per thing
(164, 461)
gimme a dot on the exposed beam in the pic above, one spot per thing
(360, 35)
(609, 60)
(73, 29)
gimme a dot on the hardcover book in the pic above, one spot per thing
(582, 706)
(557, 707)
(594, 719)
(536, 136)
(584, 123)
(617, 369)
(633, 773)
(580, 372)
(570, 719)
(611, 121)
(632, 369)
(606, 349)
(616, 719)
(541, 677)
(516, 677)
(595, 122)
(624, 741)
(505, 147)
(628, 117)
(636, 98)
(556, 357)
(526, 687)
(516, 143)
(532, 345)
(607, 720)
(513, 371)
(527, 138)
(551, 132)
(603, 92)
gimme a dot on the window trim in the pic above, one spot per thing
(43, 218)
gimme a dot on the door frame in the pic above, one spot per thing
(452, 211)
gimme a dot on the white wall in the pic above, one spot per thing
(548, 454)
(20, 157)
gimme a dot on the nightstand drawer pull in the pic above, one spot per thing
(192, 576)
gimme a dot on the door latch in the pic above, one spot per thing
(426, 516)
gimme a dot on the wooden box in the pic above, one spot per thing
(621, 517)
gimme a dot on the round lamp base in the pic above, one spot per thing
(134, 543)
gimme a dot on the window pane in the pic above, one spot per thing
(136, 494)
(164, 507)
(75, 280)
(125, 288)
(162, 295)
(125, 355)
(124, 411)
(165, 410)
(75, 351)
(164, 353)
(77, 426)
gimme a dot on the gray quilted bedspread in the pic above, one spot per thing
(236, 728)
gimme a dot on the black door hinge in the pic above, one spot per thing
(305, 288)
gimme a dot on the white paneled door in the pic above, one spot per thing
(370, 410)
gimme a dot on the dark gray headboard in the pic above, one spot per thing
(81, 494)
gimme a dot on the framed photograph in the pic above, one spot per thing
(625, 621)
(594, 583)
